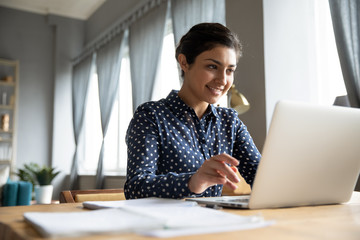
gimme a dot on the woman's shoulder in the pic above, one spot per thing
(226, 112)
(229, 115)
(150, 107)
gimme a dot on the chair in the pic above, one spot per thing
(75, 196)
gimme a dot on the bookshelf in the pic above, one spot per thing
(9, 78)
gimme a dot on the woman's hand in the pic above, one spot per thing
(215, 170)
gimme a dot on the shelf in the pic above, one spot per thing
(10, 107)
(9, 79)
(8, 131)
(5, 161)
(3, 83)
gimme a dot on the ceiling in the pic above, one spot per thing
(79, 9)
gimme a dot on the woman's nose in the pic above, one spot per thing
(221, 77)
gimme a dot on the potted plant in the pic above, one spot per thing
(41, 178)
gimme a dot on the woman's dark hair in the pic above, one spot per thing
(204, 37)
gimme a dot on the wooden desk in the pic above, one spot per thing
(320, 222)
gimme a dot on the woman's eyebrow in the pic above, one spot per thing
(219, 63)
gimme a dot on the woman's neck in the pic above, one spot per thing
(198, 106)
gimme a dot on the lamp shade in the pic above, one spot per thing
(237, 101)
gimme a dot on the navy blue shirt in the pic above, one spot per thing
(167, 143)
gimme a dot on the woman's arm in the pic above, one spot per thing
(144, 152)
(246, 152)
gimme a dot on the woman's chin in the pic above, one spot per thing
(214, 100)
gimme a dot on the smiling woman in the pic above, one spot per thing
(183, 146)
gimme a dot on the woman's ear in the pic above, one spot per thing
(182, 62)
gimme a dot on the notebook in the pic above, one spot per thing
(311, 156)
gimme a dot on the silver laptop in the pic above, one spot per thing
(311, 156)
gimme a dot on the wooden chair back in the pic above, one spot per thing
(73, 196)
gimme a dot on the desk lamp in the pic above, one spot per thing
(237, 101)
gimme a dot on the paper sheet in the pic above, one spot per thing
(150, 217)
(142, 202)
(166, 233)
(69, 224)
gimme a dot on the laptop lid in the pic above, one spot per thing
(311, 156)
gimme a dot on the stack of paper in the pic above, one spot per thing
(150, 217)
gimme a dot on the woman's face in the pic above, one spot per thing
(210, 76)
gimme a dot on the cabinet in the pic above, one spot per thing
(9, 79)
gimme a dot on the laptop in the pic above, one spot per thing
(311, 156)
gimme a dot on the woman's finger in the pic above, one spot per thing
(231, 185)
(224, 170)
(216, 170)
(226, 158)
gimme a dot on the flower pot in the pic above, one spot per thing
(43, 194)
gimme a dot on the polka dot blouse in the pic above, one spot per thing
(167, 143)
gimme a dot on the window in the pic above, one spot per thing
(167, 76)
(115, 149)
(167, 79)
(91, 133)
(115, 155)
(330, 79)
(301, 60)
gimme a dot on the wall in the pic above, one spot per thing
(44, 46)
(246, 19)
(107, 15)
(29, 39)
(69, 39)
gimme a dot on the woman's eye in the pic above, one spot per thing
(230, 70)
(212, 66)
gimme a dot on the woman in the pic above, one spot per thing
(183, 146)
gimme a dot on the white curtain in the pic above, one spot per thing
(80, 82)
(187, 13)
(145, 43)
(108, 63)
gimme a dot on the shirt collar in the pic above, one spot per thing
(178, 106)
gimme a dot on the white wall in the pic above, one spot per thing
(44, 46)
